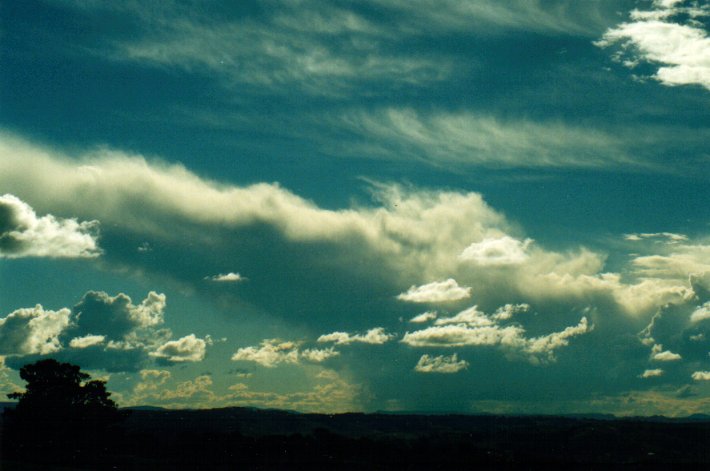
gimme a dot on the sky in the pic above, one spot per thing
(425, 205)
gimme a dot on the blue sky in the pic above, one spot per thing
(470, 206)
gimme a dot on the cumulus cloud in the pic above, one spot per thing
(473, 328)
(227, 277)
(440, 364)
(24, 234)
(670, 37)
(33, 331)
(701, 375)
(507, 311)
(658, 354)
(470, 317)
(186, 349)
(87, 341)
(701, 313)
(423, 317)
(376, 336)
(272, 352)
(100, 332)
(496, 251)
(436, 292)
(655, 373)
(116, 316)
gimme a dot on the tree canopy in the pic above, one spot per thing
(62, 415)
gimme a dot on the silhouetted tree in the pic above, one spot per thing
(62, 414)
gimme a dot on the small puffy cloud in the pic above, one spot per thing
(227, 277)
(440, 364)
(666, 355)
(470, 317)
(87, 341)
(668, 36)
(701, 375)
(423, 317)
(497, 251)
(34, 330)
(655, 373)
(24, 234)
(436, 292)
(272, 352)
(318, 355)
(376, 336)
(507, 312)
(701, 313)
(186, 349)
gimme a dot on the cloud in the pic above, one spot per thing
(496, 251)
(423, 317)
(468, 138)
(470, 317)
(658, 354)
(701, 313)
(670, 237)
(472, 328)
(100, 332)
(24, 234)
(273, 352)
(376, 336)
(670, 37)
(32, 331)
(227, 277)
(440, 364)
(701, 376)
(507, 312)
(436, 292)
(87, 341)
(186, 349)
(116, 316)
(655, 373)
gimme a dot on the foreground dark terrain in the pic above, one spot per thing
(234, 438)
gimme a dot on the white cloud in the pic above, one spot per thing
(701, 313)
(33, 331)
(655, 373)
(273, 352)
(440, 364)
(317, 355)
(666, 355)
(410, 237)
(436, 292)
(376, 336)
(24, 234)
(270, 353)
(467, 138)
(701, 375)
(681, 51)
(472, 328)
(670, 237)
(423, 317)
(470, 317)
(87, 341)
(497, 251)
(186, 349)
(227, 277)
(507, 312)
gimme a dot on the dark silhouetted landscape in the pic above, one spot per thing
(232, 438)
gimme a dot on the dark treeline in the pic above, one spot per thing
(65, 419)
